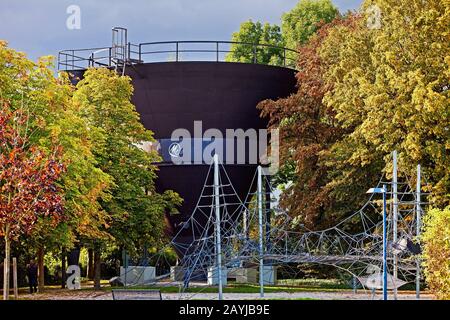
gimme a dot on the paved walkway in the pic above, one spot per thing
(295, 295)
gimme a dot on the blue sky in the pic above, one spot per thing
(39, 27)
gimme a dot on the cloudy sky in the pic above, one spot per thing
(39, 27)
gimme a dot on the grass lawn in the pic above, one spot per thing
(299, 285)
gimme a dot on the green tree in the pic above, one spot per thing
(391, 91)
(28, 178)
(379, 89)
(299, 24)
(135, 209)
(353, 164)
(436, 251)
(57, 120)
(255, 35)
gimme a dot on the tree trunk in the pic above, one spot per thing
(74, 256)
(97, 264)
(6, 264)
(41, 278)
(63, 268)
(118, 266)
(90, 267)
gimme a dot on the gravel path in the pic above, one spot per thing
(296, 295)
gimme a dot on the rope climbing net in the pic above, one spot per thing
(255, 233)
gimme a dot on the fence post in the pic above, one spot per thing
(16, 290)
(217, 51)
(176, 59)
(140, 52)
(5, 281)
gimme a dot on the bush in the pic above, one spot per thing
(436, 252)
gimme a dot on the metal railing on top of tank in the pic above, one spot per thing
(176, 51)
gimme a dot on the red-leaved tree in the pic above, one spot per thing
(308, 128)
(28, 179)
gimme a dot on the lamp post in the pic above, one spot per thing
(383, 191)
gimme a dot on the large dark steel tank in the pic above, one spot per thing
(223, 95)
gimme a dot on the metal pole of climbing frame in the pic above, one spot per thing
(266, 205)
(384, 244)
(418, 227)
(395, 218)
(244, 221)
(217, 225)
(260, 223)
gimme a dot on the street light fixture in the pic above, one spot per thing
(383, 191)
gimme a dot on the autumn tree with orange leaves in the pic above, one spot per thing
(28, 179)
(308, 128)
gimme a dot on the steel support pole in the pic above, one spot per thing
(244, 223)
(395, 219)
(266, 205)
(384, 245)
(418, 227)
(217, 224)
(261, 237)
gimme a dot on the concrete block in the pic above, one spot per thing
(246, 275)
(213, 276)
(269, 275)
(177, 273)
(137, 275)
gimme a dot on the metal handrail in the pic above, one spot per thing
(136, 53)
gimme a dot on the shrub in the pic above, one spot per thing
(436, 252)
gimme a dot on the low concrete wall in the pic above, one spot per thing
(135, 275)
(244, 275)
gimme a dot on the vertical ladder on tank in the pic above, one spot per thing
(119, 49)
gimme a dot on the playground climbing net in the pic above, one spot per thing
(255, 232)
